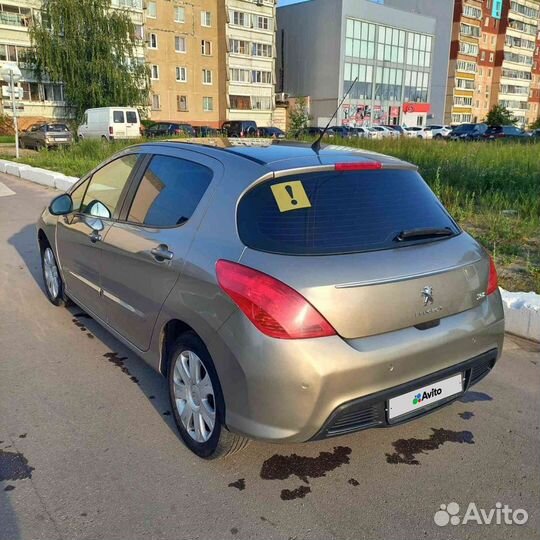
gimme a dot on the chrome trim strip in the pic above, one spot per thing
(120, 302)
(86, 281)
(397, 279)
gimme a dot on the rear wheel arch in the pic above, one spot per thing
(169, 333)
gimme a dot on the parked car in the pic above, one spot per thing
(361, 131)
(40, 136)
(398, 130)
(273, 132)
(284, 304)
(110, 123)
(240, 128)
(205, 131)
(505, 132)
(439, 131)
(418, 132)
(314, 131)
(381, 132)
(169, 129)
(535, 134)
(467, 132)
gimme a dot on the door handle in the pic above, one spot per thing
(95, 237)
(162, 253)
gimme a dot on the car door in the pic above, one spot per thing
(79, 235)
(144, 252)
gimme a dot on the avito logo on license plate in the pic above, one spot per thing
(421, 397)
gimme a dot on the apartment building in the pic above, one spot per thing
(183, 53)
(249, 60)
(40, 99)
(494, 59)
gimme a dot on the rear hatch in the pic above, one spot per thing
(373, 250)
(58, 133)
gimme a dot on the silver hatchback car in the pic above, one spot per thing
(287, 295)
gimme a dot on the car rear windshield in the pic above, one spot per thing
(118, 117)
(339, 212)
(131, 117)
(57, 127)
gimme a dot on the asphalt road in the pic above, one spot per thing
(88, 448)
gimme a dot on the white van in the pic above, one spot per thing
(110, 123)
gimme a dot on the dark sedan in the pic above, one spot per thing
(495, 133)
(273, 132)
(169, 129)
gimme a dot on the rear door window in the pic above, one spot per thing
(118, 117)
(169, 192)
(338, 212)
(131, 117)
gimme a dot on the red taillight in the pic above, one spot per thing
(493, 280)
(273, 307)
(110, 130)
(177, 132)
(359, 166)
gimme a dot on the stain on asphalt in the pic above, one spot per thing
(280, 467)
(234, 530)
(298, 493)
(239, 484)
(266, 520)
(23, 436)
(407, 449)
(470, 397)
(167, 413)
(151, 397)
(534, 362)
(118, 361)
(9, 488)
(14, 466)
(84, 514)
(353, 482)
(467, 415)
(89, 335)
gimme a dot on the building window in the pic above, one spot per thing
(181, 103)
(152, 10)
(206, 48)
(239, 18)
(179, 14)
(470, 49)
(156, 102)
(262, 49)
(238, 46)
(472, 12)
(240, 102)
(206, 18)
(262, 23)
(262, 77)
(153, 43)
(154, 72)
(261, 103)
(181, 74)
(240, 75)
(208, 104)
(207, 76)
(180, 44)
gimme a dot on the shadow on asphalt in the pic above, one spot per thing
(25, 242)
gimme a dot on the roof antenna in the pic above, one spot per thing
(316, 146)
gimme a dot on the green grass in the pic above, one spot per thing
(492, 190)
(7, 138)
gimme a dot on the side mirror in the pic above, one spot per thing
(61, 205)
(98, 209)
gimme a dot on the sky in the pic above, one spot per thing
(287, 2)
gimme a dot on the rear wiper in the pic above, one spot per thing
(415, 234)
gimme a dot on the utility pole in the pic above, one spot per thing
(12, 75)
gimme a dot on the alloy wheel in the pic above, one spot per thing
(194, 396)
(52, 277)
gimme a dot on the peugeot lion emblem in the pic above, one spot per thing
(427, 295)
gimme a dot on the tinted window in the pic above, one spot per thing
(77, 195)
(131, 117)
(57, 127)
(118, 117)
(338, 212)
(169, 192)
(106, 186)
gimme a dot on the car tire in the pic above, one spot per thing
(197, 400)
(22, 146)
(54, 286)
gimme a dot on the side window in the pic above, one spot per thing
(169, 192)
(131, 117)
(106, 186)
(118, 117)
(77, 195)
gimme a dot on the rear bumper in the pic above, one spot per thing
(291, 390)
(371, 411)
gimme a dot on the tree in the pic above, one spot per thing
(299, 116)
(90, 49)
(500, 116)
(535, 124)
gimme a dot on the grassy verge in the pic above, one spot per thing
(7, 139)
(492, 190)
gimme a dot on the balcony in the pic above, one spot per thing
(15, 19)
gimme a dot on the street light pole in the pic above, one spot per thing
(14, 109)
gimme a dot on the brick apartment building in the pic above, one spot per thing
(494, 59)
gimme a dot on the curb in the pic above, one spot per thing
(44, 177)
(522, 314)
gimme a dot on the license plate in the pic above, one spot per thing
(60, 139)
(424, 396)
